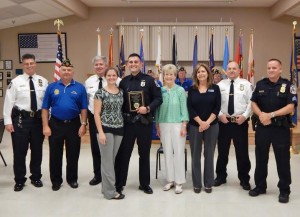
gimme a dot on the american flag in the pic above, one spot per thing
(59, 57)
(42, 45)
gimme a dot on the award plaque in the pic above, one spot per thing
(136, 100)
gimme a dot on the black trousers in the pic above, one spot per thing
(239, 135)
(64, 133)
(143, 135)
(94, 146)
(28, 135)
(280, 139)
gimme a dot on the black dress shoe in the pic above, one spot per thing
(56, 187)
(73, 184)
(18, 187)
(256, 191)
(120, 197)
(219, 182)
(146, 189)
(37, 183)
(246, 186)
(283, 198)
(95, 181)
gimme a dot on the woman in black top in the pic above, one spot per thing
(204, 102)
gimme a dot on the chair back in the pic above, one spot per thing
(2, 127)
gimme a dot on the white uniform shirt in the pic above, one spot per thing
(18, 94)
(242, 96)
(91, 86)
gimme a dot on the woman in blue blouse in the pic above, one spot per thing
(171, 120)
(204, 102)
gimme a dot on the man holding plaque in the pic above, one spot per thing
(142, 95)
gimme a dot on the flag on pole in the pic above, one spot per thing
(195, 53)
(294, 71)
(99, 43)
(158, 57)
(110, 56)
(174, 51)
(239, 55)
(59, 57)
(211, 63)
(142, 52)
(226, 53)
(122, 56)
(250, 74)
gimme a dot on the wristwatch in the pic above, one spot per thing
(272, 114)
(84, 123)
(148, 109)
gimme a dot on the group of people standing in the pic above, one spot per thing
(121, 112)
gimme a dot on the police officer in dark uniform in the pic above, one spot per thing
(68, 102)
(273, 100)
(142, 96)
(22, 118)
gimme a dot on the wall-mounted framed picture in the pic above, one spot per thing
(1, 64)
(1, 84)
(1, 75)
(8, 64)
(43, 45)
(1, 92)
(8, 81)
(8, 74)
(19, 71)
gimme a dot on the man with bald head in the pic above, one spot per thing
(233, 122)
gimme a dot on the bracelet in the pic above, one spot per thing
(84, 123)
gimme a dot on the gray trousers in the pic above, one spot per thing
(108, 154)
(209, 138)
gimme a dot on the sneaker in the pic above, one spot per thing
(178, 189)
(168, 186)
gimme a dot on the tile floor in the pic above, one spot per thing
(227, 200)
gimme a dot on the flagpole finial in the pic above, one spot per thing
(252, 30)
(111, 30)
(58, 23)
(241, 31)
(294, 24)
(98, 30)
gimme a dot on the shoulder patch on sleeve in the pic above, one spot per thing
(293, 89)
(156, 83)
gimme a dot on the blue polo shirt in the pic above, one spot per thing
(66, 102)
(186, 83)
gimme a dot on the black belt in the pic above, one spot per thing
(231, 119)
(65, 121)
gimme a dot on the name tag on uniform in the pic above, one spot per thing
(211, 90)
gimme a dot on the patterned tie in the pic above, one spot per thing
(100, 83)
(33, 103)
(231, 99)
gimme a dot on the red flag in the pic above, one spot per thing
(110, 59)
(59, 57)
(239, 56)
